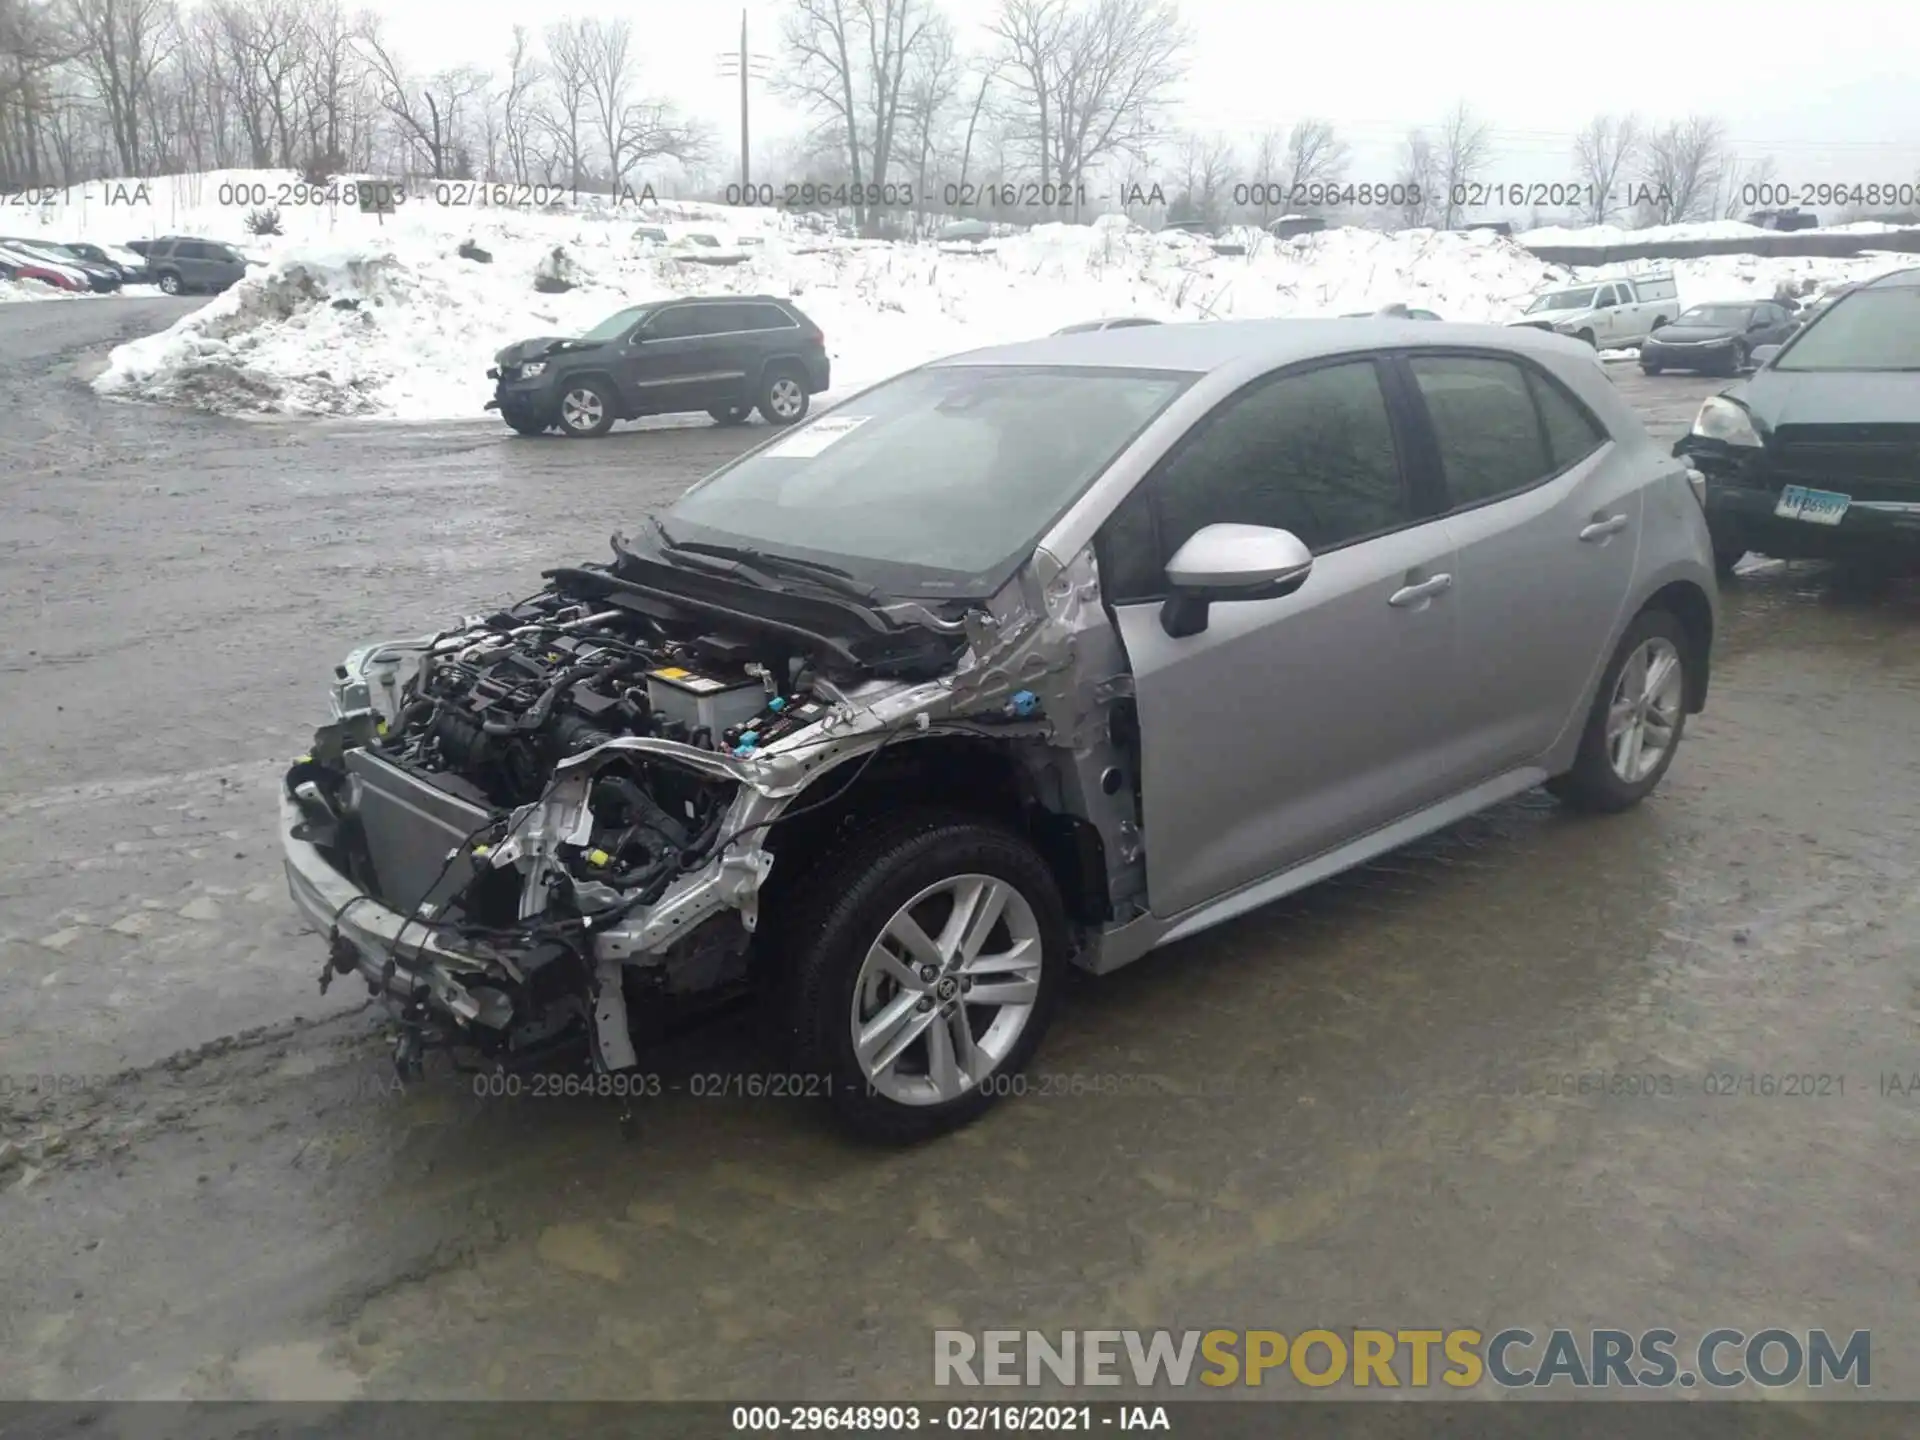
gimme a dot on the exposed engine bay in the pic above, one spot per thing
(553, 816)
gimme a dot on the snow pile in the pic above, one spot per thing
(1610, 235)
(18, 290)
(404, 326)
(358, 315)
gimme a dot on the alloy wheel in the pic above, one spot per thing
(786, 397)
(1645, 711)
(946, 990)
(581, 409)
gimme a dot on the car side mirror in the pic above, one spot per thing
(1230, 562)
(1759, 324)
(1762, 354)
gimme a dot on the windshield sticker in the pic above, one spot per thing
(818, 436)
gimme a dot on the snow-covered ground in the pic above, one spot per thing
(358, 315)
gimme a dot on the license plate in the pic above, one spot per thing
(1816, 507)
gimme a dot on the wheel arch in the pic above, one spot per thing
(966, 774)
(1688, 604)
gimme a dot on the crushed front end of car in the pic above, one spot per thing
(549, 823)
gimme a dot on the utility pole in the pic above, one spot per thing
(748, 66)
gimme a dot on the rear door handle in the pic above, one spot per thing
(1425, 590)
(1601, 529)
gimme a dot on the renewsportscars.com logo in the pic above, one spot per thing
(1515, 1358)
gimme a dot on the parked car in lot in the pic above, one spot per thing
(181, 263)
(1716, 339)
(24, 264)
(1039, 655)
(726, 354)
(100, 278)
(1086, 327)
(1607, 314)
(132, 266)
(1393, 312)
(1818, 454)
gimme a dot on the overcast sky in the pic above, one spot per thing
(1831, 92)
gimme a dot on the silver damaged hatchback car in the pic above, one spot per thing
(1034, 656)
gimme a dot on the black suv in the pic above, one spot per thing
(727, 355)
(179, 263)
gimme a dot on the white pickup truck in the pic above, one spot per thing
(1607, 314)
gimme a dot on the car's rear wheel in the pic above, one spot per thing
(170, 283)
(783, 397)
(524, 423)
(731, 414)
(926, 965)
(1637, 719)
(586, 409)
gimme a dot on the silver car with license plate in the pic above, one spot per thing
(1036, 656)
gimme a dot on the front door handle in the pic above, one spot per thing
(1416, 594)
(1602, 529)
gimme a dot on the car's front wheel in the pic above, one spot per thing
(524, 423)
(783, 397)
(1637, 719)
(730, 414)
(170, 283)
(926, 968)
(1737, 358)
(1650, 367)
(586, 409)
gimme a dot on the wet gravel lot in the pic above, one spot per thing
(1348, 1109)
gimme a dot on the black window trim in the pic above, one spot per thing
(715, 302)
(1430, 438)
(1415, 480)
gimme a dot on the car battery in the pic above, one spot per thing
(704, 701)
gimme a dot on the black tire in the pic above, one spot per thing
(783, 395)
(847, 904)
(170, 283)
(731, 414)
(525, 424)
(586, 409)
(1726, 555)
(1649, 367)
(1593, 784)
(1737, 360)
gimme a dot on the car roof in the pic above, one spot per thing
(1895, 280)
(1202, 346)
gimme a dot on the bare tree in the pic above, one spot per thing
(1206, 163)
(1316, 159)
(1603, 154)
(1091, 82)
(1419, 179)
(514, 102)
(974, 113)
(124, 44)
(1461, 157)
(933, 81)
(567, 101)
(1745, 186)
(1679, 172)
(428, 115)
(628, 130)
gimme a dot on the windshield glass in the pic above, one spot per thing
(1867, 330)
(1719, 317)
(1564, 300)
(614, 326)
(951, 470)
